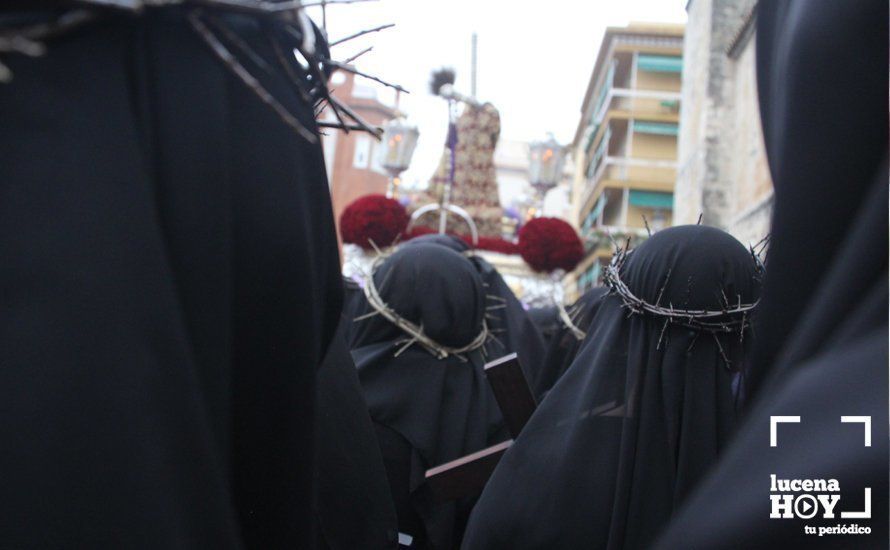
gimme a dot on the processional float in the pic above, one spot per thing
(442, 85)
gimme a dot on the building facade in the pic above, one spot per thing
(722, 175)
(625, 147)
(353, 160)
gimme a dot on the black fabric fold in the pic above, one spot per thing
(638, 417)
(563, 345)
(170, 283)
(428, 411)
(822, 349)
(355, 507)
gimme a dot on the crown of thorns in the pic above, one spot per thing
(294, 31)
(731, 317)
(413, 330)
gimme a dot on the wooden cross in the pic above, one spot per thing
(468, 474)
(511, 392)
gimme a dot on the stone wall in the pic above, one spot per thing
(722, 170)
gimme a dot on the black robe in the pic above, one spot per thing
(822, 353)
(563, 344)
(638, 417)
(511, 323)
(170, 282)
(428, 411)
(354, 503)
(546, 320)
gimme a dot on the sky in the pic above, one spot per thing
(534, 58)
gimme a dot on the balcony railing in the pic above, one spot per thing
(630, 169)
(637, 101)
(607, 236)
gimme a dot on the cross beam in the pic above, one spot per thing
(468, 474)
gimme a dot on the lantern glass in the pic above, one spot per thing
(399, 141)
(545, 164)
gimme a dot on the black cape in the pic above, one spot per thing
(428, 411)
(563, 344)
(546, 320)
(354, 503)
(510, 323)
(170, 282)
(638, 417)
(822, 78)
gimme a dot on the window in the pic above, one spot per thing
(362, 154)
(594, 213)
(608, 82)
(600, 152)
(377, 151)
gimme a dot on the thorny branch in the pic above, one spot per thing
(362, 33)
(727, 319)
(221, 39)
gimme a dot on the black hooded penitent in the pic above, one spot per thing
(170, 283)
(640, 414)
(564, 343)
(822, 333)
(510, 323)
(512, 328)
(355, 305)
(428, 410)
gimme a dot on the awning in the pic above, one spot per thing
(651, 199)
(660, 128)
(660, 63)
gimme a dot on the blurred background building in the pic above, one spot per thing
(625, 146)
(723, 174)
(352, 160)
(669, 131)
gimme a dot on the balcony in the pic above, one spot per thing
(654, 104)
(602, 237)
(653, 174)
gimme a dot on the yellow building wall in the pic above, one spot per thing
(635, 217)
(643, 106)
(652, 174)
(654, 146)
(663, 82)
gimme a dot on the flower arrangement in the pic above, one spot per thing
(373, 220)
(491, 244)
(548, 244)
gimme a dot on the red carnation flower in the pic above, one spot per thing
(547, 244)
(492, 244)
(373, 218)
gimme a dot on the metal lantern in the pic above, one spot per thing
(545, 164)
(399, 141)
